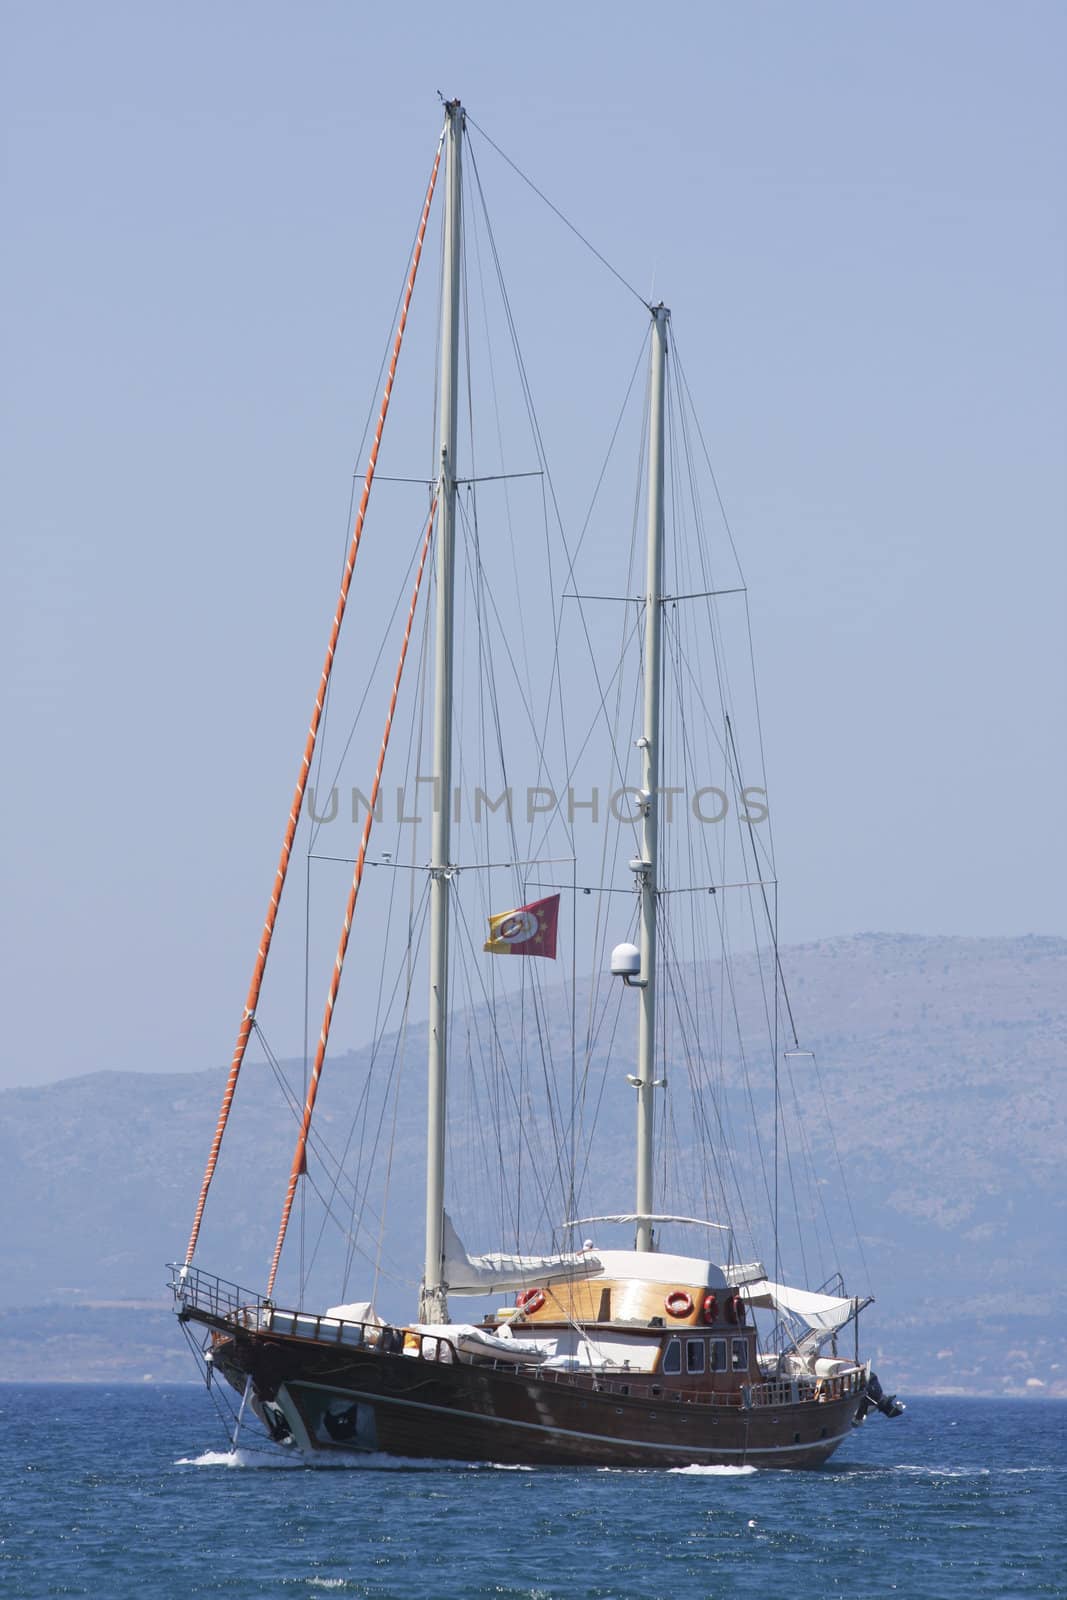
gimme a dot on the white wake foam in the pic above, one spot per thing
(714, 1472)
(327, 1461)
(943, 1472)
(243, 1458)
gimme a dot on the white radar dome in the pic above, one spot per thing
(625, 961)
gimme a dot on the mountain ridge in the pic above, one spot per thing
(942, 1058)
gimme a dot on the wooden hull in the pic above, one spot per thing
(365, 1401)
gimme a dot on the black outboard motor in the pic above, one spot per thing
(887, 1404)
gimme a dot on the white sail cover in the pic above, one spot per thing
(356, 1311)
(825, 1312)
(472, 1341)
(744, 1272)
(466, 1274)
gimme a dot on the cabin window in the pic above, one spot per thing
(740, 1355)
(694, 1355)
(718, 1355)
(672, 1357)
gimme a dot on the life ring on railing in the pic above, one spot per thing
(735, 1309)
(710, 1312)
(678, 1304)
(530, 1300)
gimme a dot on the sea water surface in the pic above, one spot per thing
(119, 1492)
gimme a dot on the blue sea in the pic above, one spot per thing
(129, 1492)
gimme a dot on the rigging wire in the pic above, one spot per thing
(689, 417)
(358, 456)
(299, 1156)
(321, 1150)
(266, 937)
(555, 209)
(686, 1023)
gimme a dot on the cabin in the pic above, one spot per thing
(657, 1316)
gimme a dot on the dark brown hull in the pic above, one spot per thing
(365, 1401)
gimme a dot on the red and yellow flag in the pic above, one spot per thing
(526, 931)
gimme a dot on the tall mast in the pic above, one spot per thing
(647, 1083)
(433, 1306)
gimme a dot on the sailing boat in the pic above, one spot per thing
(622, 1357)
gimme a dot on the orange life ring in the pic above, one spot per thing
(678, 1304)
(711, 1309)
(735, 1309)
(530, 1300)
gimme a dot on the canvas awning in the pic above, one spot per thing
(823, 1312)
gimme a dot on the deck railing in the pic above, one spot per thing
(221, 1301)
(196, 1290)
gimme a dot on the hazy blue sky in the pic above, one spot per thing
(857, 214)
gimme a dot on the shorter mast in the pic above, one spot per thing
(649, 746)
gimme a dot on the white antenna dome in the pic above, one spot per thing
(625, 961)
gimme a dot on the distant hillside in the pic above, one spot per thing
(942, 1061)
